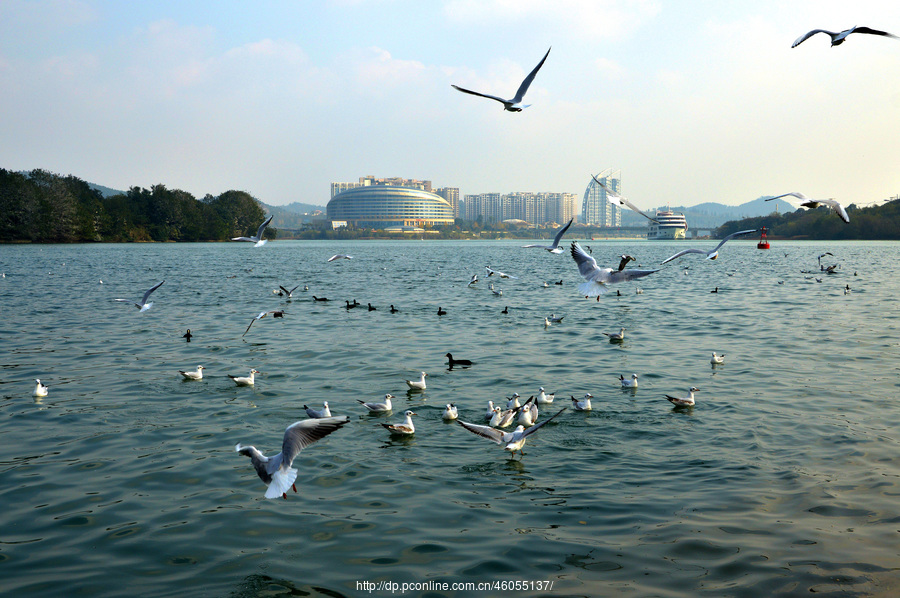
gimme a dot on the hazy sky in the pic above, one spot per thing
(693, 100)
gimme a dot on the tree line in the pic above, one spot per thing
(43, 207)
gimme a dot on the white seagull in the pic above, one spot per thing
(450, 413)
(547, 323)
(616, 337)
(340, 256)
(717, 359)
(258, 238)
(276, 313)
(616, 199)
(597, 278)
(556, 320)
(685, 402)
(582, 404)
(543, 398)
(195, 375)
(497, 293)
(290, 293)
(514, 104)
(626, 383)
(406, 428)
(378, 407)
(808, 202)
(514, 440)
(528, 413)
(491, 272)
(417, 384)
(324, 412)
(40, 390)
(494, 420)
(554, 248)
(838, 38)
(473, 281)
(505, 418)
(244, 380)
(276, 471)
(143, 305)
(713, 253)
(513, 401)
(490, 410)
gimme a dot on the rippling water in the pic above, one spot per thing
(782, 480)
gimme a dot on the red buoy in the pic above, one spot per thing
(763, 242)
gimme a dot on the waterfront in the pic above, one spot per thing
(783, 479)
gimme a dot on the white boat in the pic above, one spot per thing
(671, 225)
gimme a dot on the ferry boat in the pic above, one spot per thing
(672, 225)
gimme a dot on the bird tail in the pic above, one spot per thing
(281, 482)
(592, 288)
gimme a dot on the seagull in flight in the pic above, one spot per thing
(340, 256)
(616, 199)
(838, 38)
(276, 471)
(808, 202)
(624, 261)
(290, 294)
(143, 305)
(713, 253)
(499, 273)
(597, 278)
(514, 104)
(555, 248)
(258, 239)
(514, 440)
(276, 313)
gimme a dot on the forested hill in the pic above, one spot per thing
(40, 206)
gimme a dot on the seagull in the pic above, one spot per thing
(838, 38)
(290, 293)
(378, 407)
(686, 402)
(450, 413)
(491, 272)
(639, 291)
(195, 375)
(276, 471)
(494, 420)
(717, 359)
(514, 104)
(258, 239)
(406, 428)
(555, 248)
(497, 293)
(547, 323)
(624, 261)
(417, 384)
(556, 320)
(459, 362)
(514, 440)
(143, 305)
(808, 202)
(244, 380)
(528, 413)
(318, 413)
(582, 404)
(276, 313)
(506, 418)
(543, 398)
(713, 253)
(40, 390)
(626, 383)
(340, 256)
(616, 199)
(616, 337)
(490, 410)
(597, 278)
(473, 281)
(513, 401)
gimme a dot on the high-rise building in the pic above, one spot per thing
(370, 180)
(535, 208)
(451, 194)
(595, 207)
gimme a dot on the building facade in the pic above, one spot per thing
(370, 180)
(380, 206)
(451, 194)
(535, 208)
(595, 207)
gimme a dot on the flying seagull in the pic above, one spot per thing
(713, 253)
(555, 248)
(143, 305)
(290, 294)
(258, 239)
(615, 198)
(515, 104)
(514, 440)
(340, 256)
(808, 202)
(276, 313)
(597, 278)
(276, 471)
(838, 38)
(491, 272)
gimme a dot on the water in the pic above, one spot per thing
(782, 480)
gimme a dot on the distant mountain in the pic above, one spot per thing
(713, 215)
(106, 191)
(302, 208)
(293, 215)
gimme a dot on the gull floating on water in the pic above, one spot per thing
(713, 253)
(494, 420)
(582, 404)
(514, 104)
(543, 398)
(616, 337)
(376, 407)
(276, 471)
(717, 359)
(685, 402)
(808, 202)
(276, 313)
(40, 390)
(450, 413)
(514, 440)
(406, 428)
(838, 38)
(547, 323)
(556, 320)
(597, 278)
(258, 238)
(340, 256)
(491, 272)
(244, 380)
(554, 248)
(497, 293)
(490, 410)
(195, 375)
(626, 383)
(324, 412)
(417, 384)
(528, 413)
(143, 305)
(616, 199)
(513, 401)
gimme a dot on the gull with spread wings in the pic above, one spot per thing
(555, 248)
(616, 199)
(713, 253)
(514, 104)
(838, 38)
(808, 202)
(597, 278)
(258, 239)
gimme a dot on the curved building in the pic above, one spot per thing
(595, 207)
(380, 206)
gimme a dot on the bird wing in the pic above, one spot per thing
(259, 460)
(537, 427)
(153, 288)
(262, 227)
(624, 262)
(137, 305)
(806, 36)
(561, 232)
(251, 324)
(301, 434)
(527, 82)
(483, 95)
(796, 194)
(685, 252)
(732, 235)
(587, 265)
(627, 275)
(485, 432)
(837, 208)
(872, 31)
(615, 198)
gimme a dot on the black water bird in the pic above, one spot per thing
(371, 308)
(320, 298)
(459, 362)
(394, 309)
(187, 335)
(442, 311)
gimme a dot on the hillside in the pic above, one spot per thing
(712, 215)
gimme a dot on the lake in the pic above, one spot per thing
(782, 480)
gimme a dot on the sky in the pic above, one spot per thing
(695, 101)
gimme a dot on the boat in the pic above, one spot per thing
(669, 225)
(763, 241)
